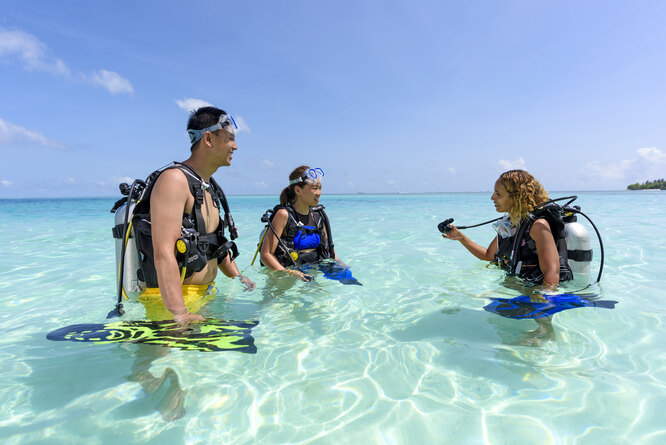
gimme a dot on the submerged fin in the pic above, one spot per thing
(524, 306)
(334, 271)
(210, 335)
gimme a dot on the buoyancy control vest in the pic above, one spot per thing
(517, 254)
(302, 241)
(193, 249)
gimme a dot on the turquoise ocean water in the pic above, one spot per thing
(409, 357)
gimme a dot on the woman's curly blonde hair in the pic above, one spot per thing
(526, 193)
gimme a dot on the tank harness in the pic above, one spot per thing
(193, 249)
(517, 254)
(304, 240)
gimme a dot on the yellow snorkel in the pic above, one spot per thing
(263, 235)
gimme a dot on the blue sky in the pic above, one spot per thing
(385, 96)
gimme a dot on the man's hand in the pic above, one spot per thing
(245, 281)
(185, 317)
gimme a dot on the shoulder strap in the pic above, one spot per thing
(197, 187)
(327, 225)
(218, 193)
(291, 212)
(514, 257)
(219, 198)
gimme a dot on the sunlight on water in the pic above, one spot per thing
(409, 357)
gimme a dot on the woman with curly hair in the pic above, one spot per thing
(530, 240)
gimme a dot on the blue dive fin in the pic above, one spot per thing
(524, 306)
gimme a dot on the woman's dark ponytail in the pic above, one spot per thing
(288, 195)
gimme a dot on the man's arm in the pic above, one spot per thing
(482, 253)
(167, 205)
(230, 269)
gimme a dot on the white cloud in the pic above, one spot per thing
(618, 170)
(5, 183)
(14, 134)
(30, 51)
(190, 104)
(652, 155)
(452, 170)
(649, 165)
(261, 185)
(112, 81)
(266, 164)
(121, 179)
(70, 181)
(512, 165)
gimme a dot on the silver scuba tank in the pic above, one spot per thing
(131, 282)
(578, 245)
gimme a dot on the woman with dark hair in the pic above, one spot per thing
(530, 240)
(298, 231)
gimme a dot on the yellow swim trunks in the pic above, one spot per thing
(195, 295)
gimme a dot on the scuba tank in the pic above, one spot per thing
(579, 251)
(131, 264)
(127, 256)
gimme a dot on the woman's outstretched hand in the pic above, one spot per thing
(453, 234)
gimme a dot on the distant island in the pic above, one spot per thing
(657, 184)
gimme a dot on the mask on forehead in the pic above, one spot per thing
(311, 176)
(226, 122)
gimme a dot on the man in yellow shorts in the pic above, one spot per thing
(185, 200)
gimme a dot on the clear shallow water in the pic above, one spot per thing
(410, 357)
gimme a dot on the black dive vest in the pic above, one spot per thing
(200, 247)
(287, 254)
(517, 254)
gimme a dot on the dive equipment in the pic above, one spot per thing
(123, 208)
(444, 226)
(226, 121)
(333, 271)
(504, 228)
(193, 250)
(517, 253)
(287, 251)
(576, 235)
(208, 336)
(526, 307)
(578, 244)
(310, 176)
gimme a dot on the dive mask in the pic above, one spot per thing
(226, 121)
(503, 227)
(310, 176)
